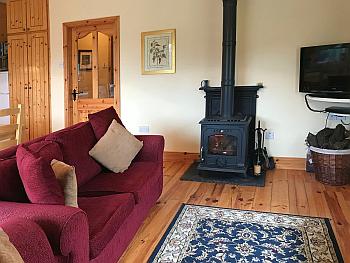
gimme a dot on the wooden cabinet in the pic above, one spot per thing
(26, 15)
(3, 21)
(38, 84)
(36, 15)
(18, 77)
(16, 16)
(28, 53)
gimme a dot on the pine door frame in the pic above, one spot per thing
(68, 43)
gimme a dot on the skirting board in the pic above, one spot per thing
(180, 156)
(288, 163)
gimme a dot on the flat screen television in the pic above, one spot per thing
(325, 70)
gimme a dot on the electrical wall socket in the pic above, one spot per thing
(269, 135)
(144, 129)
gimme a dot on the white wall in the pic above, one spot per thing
(270, 34)
(170, 104)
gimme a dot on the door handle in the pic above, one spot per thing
(75, 94)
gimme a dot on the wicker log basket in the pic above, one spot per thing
(331, 166)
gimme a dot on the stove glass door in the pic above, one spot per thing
(221, 144)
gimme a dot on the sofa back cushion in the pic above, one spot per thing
(38, 178)
(100, 121)
(11, 186)
(47, 150)
(75, 145)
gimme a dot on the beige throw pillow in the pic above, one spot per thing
(65, 174)
(116, 149)
(8, 252)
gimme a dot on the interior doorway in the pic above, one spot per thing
(92, 67)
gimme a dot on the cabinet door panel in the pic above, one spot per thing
(18, 77)
(3, 23)
(16, 16)
(39, 93)
(36, 15)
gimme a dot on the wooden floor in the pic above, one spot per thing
(286, 191)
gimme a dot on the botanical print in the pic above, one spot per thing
(207, 234)
(158, 52)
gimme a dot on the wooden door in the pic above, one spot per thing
(94, 68)
(16, 16)
(18, 78)
(38, 84)
(37, 15)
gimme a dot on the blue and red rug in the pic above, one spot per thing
(210, 234)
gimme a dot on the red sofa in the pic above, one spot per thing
(111, 206)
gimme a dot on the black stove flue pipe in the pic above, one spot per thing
(228, 59)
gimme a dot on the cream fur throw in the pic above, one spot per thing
(8, 252)
(116, 149)
(65, 174)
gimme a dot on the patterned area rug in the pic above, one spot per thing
(210, 234)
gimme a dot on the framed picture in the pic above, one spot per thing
(85, 59)
(158, 52)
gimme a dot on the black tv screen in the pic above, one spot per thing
(325, 70)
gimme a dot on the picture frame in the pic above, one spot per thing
(85, 59)
(158, 52)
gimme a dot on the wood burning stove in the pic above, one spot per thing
(224, 145)
(227, 131)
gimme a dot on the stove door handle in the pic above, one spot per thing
(201, 154)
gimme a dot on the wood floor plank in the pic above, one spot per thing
(225, 200)
(285, 191)
(262, 199)
(292, 192)
(280, 191)
(174, 184)
(151, 232)
(245, 198)
(213, 198)
(302, 201)
(197, 196)
(207, 194)
(339, 223)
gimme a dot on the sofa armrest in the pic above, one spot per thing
(65, 227)
(152, 150)
(29, 239)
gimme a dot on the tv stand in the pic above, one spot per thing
(330, 95)
(335, 110)
(340, 111)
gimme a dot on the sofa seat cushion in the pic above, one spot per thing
(139, 179)
(75, 145)
(105, 215)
